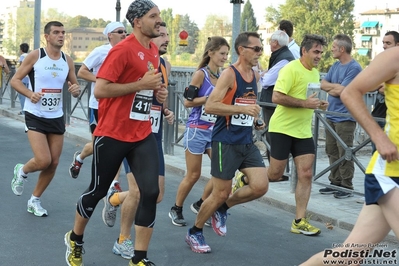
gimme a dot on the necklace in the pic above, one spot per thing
(215, 75)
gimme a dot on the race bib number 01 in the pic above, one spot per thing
(207, 117)
(142, 105)
(50, 100)
(242, 119)
(155, 118)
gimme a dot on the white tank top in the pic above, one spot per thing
(49, 77)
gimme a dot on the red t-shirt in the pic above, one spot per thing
(126, 62)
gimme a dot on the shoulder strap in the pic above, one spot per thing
(164, 72)
(42, 53)
(63, 56)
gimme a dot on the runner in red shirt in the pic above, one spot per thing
(126, 84)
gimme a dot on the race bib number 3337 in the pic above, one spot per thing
(243, 120)
(51, 99)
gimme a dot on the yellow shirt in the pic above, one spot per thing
(377, 165)
(293, 80)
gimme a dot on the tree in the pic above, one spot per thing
(324, 17)
(167, 16)
(248, 20)
(214, 26)
(193, 33)
(79, 22)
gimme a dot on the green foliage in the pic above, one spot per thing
(214, 26)
(248, 20)
(362, 60)
(185, 57)
(323, 17)
(193, 31)
(79, 22)
(272, 15)
(167, 16)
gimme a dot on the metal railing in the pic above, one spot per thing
(77, 108)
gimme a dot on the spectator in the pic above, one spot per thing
(290, 126)
(338, 77)
(287, 27)
(23, 49)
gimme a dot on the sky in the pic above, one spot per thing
(197, 10)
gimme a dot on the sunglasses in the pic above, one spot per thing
(256, 49)
(119, 31)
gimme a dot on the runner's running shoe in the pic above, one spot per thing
(18, 181)
(74, 169)
(74, 251)
(197, 242)
(219, 223)
(304, 227)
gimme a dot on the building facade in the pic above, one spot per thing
(372, 28)
(80, 41)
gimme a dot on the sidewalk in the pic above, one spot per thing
(340, 213)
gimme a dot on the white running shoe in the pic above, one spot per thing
(125, 249)
(109, 211)
(18, 182)
(35, 207)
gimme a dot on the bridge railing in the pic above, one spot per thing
(77, 108)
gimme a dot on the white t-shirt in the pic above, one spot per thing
(294, 48)
(94, 61)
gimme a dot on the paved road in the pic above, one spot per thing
(258, 234)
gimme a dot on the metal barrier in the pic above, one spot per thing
(77, 108)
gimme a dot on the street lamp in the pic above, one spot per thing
(236, 25)
(118, 10)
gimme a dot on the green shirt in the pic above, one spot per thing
(293, 80)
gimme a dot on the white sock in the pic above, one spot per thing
(32, 198)
(21, 173)
(79, 159)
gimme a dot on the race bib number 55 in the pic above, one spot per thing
(243, 120)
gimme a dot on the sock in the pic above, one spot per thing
(122, 238)
(115, 200)
(34, 198)
(139, 255)
(177, 208)
(195, 229)
(199, 202)
(297, 221)
(76, 238)
(22, 173)
(79, 159)
(223, 208)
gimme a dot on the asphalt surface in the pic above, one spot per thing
(258, 234)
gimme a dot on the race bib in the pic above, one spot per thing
(155, 118)
(142, 105)
(242, 119)
(50, 100)
(207, 117)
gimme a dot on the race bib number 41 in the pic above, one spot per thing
(243, 120)
(50, 100)
(142, 105)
